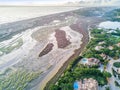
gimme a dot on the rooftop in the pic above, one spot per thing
(90, 61)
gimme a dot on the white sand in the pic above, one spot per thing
(73, 36)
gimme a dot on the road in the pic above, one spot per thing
(112, 79)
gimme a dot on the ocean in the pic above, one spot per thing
(16, 13)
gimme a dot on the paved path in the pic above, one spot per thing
(112, 79)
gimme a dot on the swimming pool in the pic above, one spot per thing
(75, 86)
(84, 61)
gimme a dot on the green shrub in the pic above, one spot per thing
(117, 64)
(117, 84)
(17, 80)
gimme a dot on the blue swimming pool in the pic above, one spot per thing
(75, 85)
(84, 60)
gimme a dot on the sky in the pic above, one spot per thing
(34, 1)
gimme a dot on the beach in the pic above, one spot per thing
(49, 44)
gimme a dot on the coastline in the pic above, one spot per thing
(23, 25)
(81, 26)
(20, 13)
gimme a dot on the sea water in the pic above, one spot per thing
(16, 13)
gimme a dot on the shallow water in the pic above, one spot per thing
(109, 25)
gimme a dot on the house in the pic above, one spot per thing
(104, 56)
(90, 61)
(100, 43)
(110, 47)
(98, 48)
(86, 84)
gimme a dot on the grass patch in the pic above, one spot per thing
(117, 84)
(116, 64)
(9, 48)
(17, 80)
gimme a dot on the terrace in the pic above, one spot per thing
(86, 84)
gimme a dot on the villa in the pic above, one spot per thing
(100, 43)
(86, 84)
(110, 47)
(98, 48)
(90, 61)
(104, 56)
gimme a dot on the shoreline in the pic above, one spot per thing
(41, 16)
(81, 26)
(30, 23)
